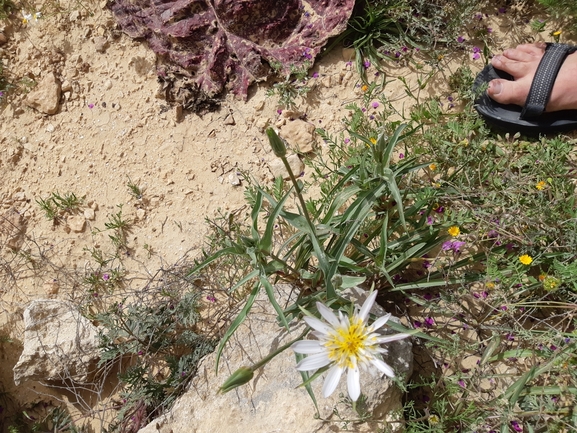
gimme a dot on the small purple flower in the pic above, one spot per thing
(375, 104)
(347, 140)
(503, 308)
(367, 64)
(440, 209)
(476, 49)
(371, 117)
(461, 383)
(450, 98)
(1, 94)
(315, 75)
(349, 64)
(447, 245)
(430, 220)
(457, 245)
(492, 234)
(91, 106)
(567, 340)
(489, 30)
(307, 14)
(479, 16)
(363, 109)
(428, 296)
(429, 322)
(105, 277)
(397, 54)
(515, 425)
(211, 298)
(279, 111)
(502, 10)
(461, 39)
(401, 155)
(553, 348)
(476, 56)
(510, 337)
(404, 49)
(417, 324)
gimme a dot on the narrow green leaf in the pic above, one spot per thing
(237, 322)
(265, 243)
(270, 293)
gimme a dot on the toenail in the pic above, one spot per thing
(495, 87)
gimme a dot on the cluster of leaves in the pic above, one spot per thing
(154, 340)
(565, 9)
(57, 205)
(6, 8)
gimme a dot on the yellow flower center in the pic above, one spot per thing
(346, 344)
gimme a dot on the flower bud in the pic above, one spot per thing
(277, 144)
(239, 377)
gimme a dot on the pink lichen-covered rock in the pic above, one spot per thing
(229, 44)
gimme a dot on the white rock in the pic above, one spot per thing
(277, 167)
(234, 179)
(89, 214)
(59, 343)
(46, 95)
(76, 223)
(300, 135)
(273, 401)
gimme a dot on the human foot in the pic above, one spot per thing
(521, 63)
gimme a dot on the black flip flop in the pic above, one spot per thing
(530, 119)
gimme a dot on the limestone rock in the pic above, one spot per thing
(76, 223)
(277, 167)
(12, 229)
(59, 343)
(273, 401)
(100, 44)
(46, 96)
(300, 135)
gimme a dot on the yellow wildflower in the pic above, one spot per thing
(541, 185)
(432, 167)
(557, 33)
(373, 140)
(434, 419)
(526, 259)
(542, 277)
(441, 57)
(464, 142)
(454, 231)
(490, 285)
(364, 88)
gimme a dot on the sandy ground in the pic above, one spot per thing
(112, 129)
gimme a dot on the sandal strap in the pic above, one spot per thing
(545, 76)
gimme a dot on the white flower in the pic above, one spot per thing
(30, 18)
(345, 343)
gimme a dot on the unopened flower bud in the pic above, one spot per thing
(278, 146)
(239, 377)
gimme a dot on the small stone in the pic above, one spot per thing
(229, 120)
(300, 135)
(277, 167)
(50, 127)
(66, 86)
(46, 96)
(234, 179)
(51, 287)
(178, 113)
(140, 214)
(100, 43)
(76, 223)
(89, 214)
(107, 85)
(74, 15)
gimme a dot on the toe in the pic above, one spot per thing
(506, 92)
(536, 49)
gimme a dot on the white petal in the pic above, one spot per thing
(389, 338)
(354, 383)
(317, 325)
(383, 367)
(314, 362)
(380, 322)
(367, 305)
(327, 314)
(332, 380)
(307, 347)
